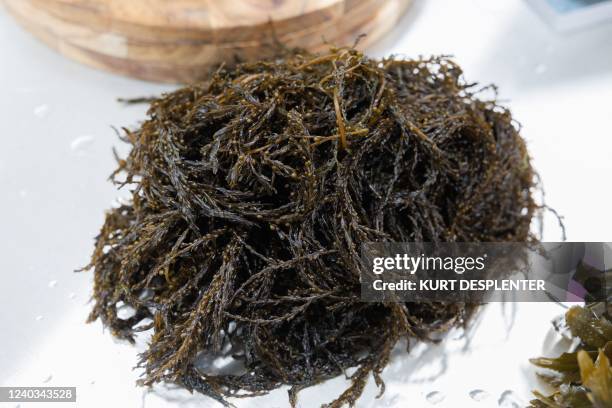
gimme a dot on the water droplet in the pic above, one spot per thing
(72, 295)
(540, 69)
(52, 284)
(39, 318)
(41, 111)
(479, 395)
(508, 399)
(49, 378)
(435, 397)
(80, 144)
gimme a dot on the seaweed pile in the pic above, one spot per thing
(579, 381)
(253, 191)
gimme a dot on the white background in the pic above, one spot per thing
(55, 155)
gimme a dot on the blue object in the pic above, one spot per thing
(567, 6)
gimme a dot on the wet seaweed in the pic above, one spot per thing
(582, 377)
(253, 191)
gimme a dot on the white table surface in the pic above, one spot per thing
(55, 155)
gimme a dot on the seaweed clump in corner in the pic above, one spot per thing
(582, 377)
(253, 191)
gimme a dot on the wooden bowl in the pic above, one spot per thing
(179, 40)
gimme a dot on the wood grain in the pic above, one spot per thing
(180, 40)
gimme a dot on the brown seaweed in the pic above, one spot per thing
(253, 191)
(579, 381)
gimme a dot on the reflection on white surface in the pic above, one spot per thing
(55, 156)
(444, 375)
(41, 111)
